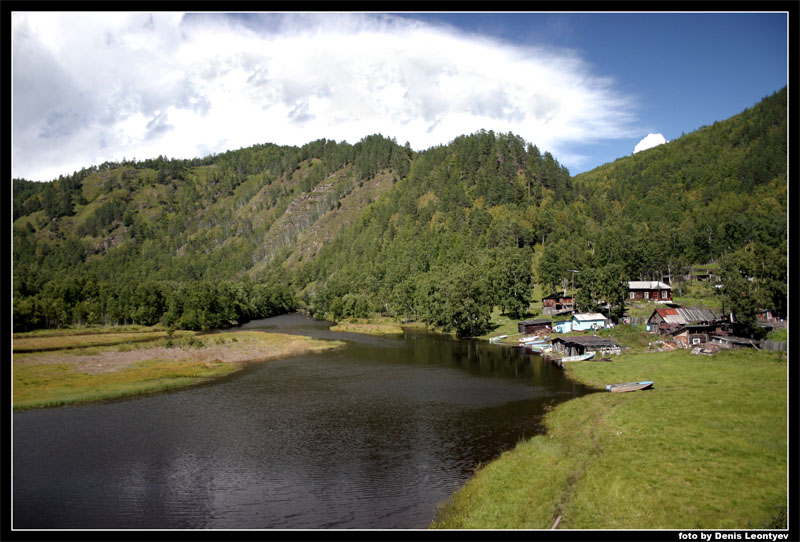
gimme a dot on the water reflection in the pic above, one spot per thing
(372, 435)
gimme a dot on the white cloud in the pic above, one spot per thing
(91, 87)
(650, 141)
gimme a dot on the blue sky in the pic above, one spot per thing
(91, 87)
(682, 70)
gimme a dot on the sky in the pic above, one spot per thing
(91, 87)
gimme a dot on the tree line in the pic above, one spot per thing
(466, 226)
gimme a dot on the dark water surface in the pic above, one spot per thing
(373, 435)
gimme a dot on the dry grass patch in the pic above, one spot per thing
(79, 374)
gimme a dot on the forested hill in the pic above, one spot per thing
(439, 236)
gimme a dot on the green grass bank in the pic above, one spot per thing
(705, 449)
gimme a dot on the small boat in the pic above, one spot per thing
(630, 386)
(532, 340)
(538, 347)
(582, 357)
(497, 339)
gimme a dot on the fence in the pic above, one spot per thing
(773, 345)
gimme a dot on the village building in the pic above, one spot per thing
(588, 321)
(532, 326)
(557, 304)
(729, 341)
(583, 344)
(766, 315)
(692, 335)
(702, 274)
(649, 290)
(667, 320)
(564, 326)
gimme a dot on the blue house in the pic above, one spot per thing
(564, 326)
(588, 321)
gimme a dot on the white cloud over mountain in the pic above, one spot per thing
(650, 141)
(91, 87)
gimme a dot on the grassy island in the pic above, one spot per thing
(706, 448)
(78, 365)
(370, 326)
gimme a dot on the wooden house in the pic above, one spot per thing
(583, 344)
(692, 334)
(667, 320)
(649, 290)
(532, 326)
(588, 321)
(557, 304)
(702, 274)
(766, 315)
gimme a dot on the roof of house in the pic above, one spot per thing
(648, 285)
(735, 340)
(589, 317)
(685, 315)
(587, 340)
(536, 321)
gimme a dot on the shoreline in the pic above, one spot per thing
(82, 371)
(646, 459)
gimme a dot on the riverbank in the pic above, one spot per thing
(706, 448)
(75, 366)
(370, 326)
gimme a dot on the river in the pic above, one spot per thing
(373, 435)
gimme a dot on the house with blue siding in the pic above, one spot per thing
(588, 321)
(565, 326)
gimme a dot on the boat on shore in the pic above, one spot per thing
(538, 348)
(582, 357)
(630, 386)
(534, 340)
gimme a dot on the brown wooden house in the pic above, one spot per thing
(667, 320)
(649, 290)
(557, 304)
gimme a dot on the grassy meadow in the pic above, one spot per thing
(706, 448)
(376, 325)
(73, 366)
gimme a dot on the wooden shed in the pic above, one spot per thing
(692, 335)
(576, 346)
(729, 341)
(532, 326)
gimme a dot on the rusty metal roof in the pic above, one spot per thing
(686, 315)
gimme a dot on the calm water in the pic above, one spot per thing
(372, 435)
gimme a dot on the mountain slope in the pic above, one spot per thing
(439, 236)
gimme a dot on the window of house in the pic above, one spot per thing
(633, 295)
(664, 294)
(647, 295)
(695, 341)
